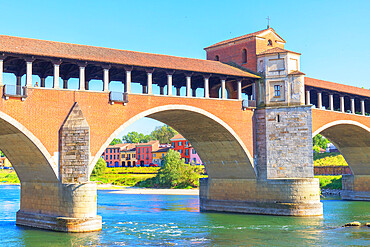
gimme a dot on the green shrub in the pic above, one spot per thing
(330, 182)
(99, 168)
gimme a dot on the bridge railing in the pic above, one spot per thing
(15, 91)
(118, 97)
(248, 104)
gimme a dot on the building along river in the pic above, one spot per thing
(168, 220)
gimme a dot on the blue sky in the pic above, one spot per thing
(333, 36)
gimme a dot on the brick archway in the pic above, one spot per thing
(30, 159)
(353, 141)
(220, 148)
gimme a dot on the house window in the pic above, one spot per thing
(194, 160)
(186, 151)
(162, 155)
(187, 160)
(180, 143)
(173, 145)
(133, 156)
(128, 156)
(269, 43)
(147, 150)
(123, 156)
(138, 157)
(110, 156)
(186, 143)
(193, 151)
(277, 90)
(180, 151)
(244, 56)
(153, 155)
(217, 58)
(138, 150)
(147, 156)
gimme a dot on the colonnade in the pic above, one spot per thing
(147, 86)
(331, 103)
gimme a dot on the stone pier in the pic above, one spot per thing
(356, 187)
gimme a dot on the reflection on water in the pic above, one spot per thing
(175, 220)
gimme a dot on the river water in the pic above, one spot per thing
(169, 220)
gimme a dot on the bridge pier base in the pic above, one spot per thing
(59, 207)
(290, 197)
(356, 187)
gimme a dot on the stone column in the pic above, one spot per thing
(178, 92)
(342, 104)
(82, 77)
(239, 90)
(29, 73)
(319, 100)
(188, 86)
(19, 85)
(331, 102)
(42, 82)
(206, 87)
(150, 82)
(106, 79)
(169, 84)
(253, 91)
(353, 110)
(1, 72)
(308, 97)
(128, 81)
(363, 107)
(223, 88)
(56, 75)
(65, 83)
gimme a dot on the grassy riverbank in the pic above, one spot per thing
(121, 176)
(329, 159)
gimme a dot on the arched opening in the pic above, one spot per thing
(244, 56)
(223, 153)
(352, 140)
(269, 42)
(28, 156)
(217, 58)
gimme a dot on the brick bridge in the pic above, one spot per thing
(254, 135)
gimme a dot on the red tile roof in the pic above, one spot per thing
(276, 50)
(178, 136)
(17, 45)
(336, 87)
(296, 72)
(147, 143)
(243, 37)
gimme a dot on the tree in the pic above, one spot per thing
(163, 134)
(99, 168)
(116, 141)
(320, 141)
(176, 174)
(134, 137)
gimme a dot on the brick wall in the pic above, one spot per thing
(332, 170)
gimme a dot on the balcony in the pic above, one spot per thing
(118, 97)
(14, 91)
(248, 104)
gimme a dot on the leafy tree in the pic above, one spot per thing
(320, 141)
(176, 174)
(116, 141)
(99, 168)
(134, 137)
(163, 134)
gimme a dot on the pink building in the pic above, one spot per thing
(181, 145)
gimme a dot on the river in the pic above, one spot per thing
(173, 220)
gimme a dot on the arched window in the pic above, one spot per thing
(217, 58)
(269, 42)
(244, 56)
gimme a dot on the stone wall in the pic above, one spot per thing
(74, 148)
(295, 197)
(284, 142)
(356, 187)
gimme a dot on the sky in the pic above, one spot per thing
(333, 36)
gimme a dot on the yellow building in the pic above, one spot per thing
(159, 154)
(4, 162)
(128, 155)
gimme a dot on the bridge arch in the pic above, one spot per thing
(28, 156)
(353, 141)
(220, 148)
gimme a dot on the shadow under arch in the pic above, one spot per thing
(352, 140)
(223, 153)
(28, 156)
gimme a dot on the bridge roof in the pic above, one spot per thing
(35, 47)
(336, 87)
